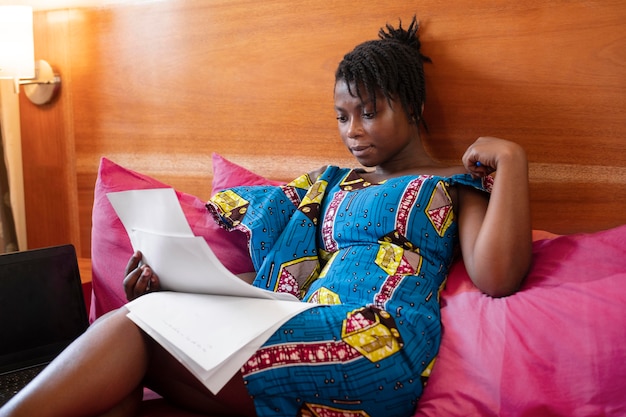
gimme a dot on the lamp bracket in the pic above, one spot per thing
(44, 87)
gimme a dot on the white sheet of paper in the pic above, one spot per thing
(154, 210)
(216, 334)
(187, 264)
(183, 262)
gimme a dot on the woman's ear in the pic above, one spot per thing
(416, 116)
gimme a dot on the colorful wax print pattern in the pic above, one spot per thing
(374, 257)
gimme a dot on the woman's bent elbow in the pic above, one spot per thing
(501, 283)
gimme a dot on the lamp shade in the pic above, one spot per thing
(17, 50)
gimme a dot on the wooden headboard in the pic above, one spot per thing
(159, 86)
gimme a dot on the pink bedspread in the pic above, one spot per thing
(556, 348)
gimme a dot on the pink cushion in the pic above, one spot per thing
(111, 248)
(227, 174)
(555, 348)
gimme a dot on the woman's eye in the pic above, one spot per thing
(369, 115)
(341, 119)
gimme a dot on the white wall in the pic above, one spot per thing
(10, 125)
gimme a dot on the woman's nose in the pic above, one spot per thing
(355, 128)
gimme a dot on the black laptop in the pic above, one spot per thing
(42, 310)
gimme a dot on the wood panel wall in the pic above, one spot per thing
(159, 86)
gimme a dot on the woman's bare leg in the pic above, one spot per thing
(104, 370)
(98, 371)
(172, 380)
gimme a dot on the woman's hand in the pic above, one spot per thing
(486, 153)
(139, 279)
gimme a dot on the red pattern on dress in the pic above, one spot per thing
(323, 411)
(292, 195)
(295, 353)
(439, 215)
(408, 198)
(386, 291)
(327, 224)
(288, 283)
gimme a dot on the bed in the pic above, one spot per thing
(555, 348)
(201, 95)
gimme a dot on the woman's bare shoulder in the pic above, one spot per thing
(316, 173)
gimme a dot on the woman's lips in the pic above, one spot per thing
(360, 150)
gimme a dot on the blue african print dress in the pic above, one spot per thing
(374, 257)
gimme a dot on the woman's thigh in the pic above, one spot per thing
(169, 378)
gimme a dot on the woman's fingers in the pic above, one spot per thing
(135, 280)
(133, 262)
(139, 279)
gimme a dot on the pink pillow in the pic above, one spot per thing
(555, 348)
(227, 174)
(111, 248)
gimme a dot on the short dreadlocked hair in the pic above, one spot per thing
(392, 65)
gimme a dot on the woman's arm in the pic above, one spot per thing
(495, 233)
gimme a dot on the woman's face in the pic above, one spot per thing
(374, 137)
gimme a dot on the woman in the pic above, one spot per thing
(371, 246)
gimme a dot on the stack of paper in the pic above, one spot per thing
(207, 317)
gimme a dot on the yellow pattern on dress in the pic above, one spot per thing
(389, 257)
(373, 340)
(325, 296)
(229, 202)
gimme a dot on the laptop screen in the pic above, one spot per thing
(42, 307)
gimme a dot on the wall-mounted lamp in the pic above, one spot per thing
(17, 53)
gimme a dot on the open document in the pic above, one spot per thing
(207, 317)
